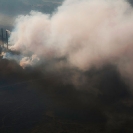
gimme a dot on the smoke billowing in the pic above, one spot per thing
(81, 74)
(88, 33)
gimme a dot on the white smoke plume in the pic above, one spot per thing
(9, 32)
(86, 32)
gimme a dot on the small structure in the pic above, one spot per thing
(3, 40)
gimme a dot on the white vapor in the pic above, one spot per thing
(87, 32)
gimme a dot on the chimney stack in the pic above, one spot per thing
(2, 38)
(7, 38)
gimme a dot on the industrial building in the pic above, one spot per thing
(3, 39)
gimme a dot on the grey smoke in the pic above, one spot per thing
(88, 33)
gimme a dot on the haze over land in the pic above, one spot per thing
(72, 70)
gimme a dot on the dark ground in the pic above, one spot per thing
(32, 101)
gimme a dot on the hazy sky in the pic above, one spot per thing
(9, 9)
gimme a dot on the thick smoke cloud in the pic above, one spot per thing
(81, 58)
(87, 33)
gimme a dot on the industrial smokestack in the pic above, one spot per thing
(2, 37)
(7, 38)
